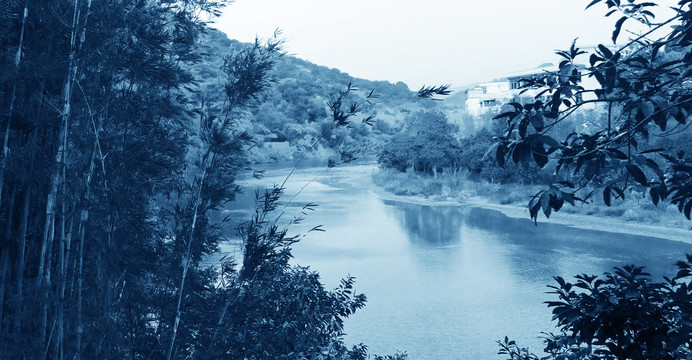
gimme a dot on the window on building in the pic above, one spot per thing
(514, 84)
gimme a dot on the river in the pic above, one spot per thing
(442, 282)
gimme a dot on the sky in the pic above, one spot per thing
(431, 42)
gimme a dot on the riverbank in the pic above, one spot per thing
(636, 215)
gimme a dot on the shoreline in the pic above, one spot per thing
(578, 221)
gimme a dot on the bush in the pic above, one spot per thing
(481, 164)
(397, 153)
(620, 315)
(427, 144)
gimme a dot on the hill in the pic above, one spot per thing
(293, 114)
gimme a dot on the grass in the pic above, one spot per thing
(456, 186)
(450, 186)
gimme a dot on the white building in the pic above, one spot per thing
(489, 97)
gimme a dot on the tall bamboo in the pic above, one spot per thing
(13, 96)
(3, 283)
(186, 261)
(21, 249)
(84, 216)
(62, 138)
(6, 255)
(57, 177)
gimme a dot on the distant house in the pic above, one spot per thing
(489, 97)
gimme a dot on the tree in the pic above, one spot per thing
(475, 159)
(644, 89)
(274, 310)
(427, 144)
(120, 150)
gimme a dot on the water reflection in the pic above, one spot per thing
(575, 251)
(533, 252)
(428, 225)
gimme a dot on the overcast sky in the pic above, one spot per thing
(422, 42)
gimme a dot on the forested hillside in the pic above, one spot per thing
(294, 112)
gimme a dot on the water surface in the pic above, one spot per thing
(442, 282)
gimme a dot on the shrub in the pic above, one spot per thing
(481, 164)
(427, 144)
(620, 315)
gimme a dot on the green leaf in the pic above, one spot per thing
(593, 59)
(539, 156)
(556, 200)
(605, 51)
(636, 173)
(524, 154)
(651, 151)
(509, 114)
(547, 140)
(523, 126)
(653, 192)
(606, 196)
(545, 204)
(648, 4)
(534, 207)
(537, 122)
(500, 155)
(654, 166)
(616, 154)
(618, 26)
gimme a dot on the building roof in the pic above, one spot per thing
(535, 71)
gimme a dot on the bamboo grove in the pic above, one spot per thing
(115, 163)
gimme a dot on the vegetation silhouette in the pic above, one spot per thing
(644, 88)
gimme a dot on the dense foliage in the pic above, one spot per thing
(294, 114)
(270, 309)
(621, 315)
(425, 144)
(644, 90)
(123, 133)
(480, 166)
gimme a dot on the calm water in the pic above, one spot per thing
(443, 282)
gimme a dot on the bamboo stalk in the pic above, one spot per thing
(3, 282)
(6, 256)
(21, 248)
(13, 96)
(49, 226)
(186, 263)
(84, 216)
